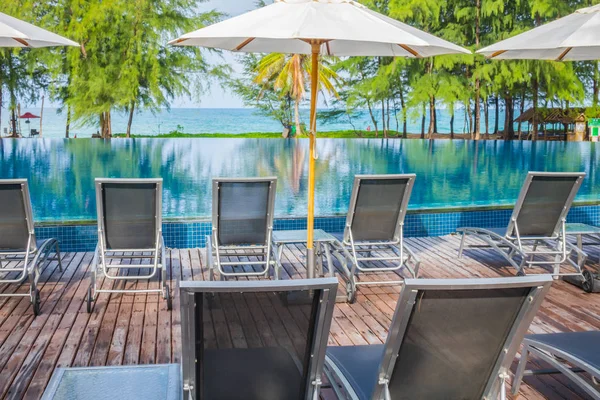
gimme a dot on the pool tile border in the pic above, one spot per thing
(192, 234)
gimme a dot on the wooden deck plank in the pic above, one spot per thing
(133, 329)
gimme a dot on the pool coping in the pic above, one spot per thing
(445, 210)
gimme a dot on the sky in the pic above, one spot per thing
(218, 97)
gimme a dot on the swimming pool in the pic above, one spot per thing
(450, 174)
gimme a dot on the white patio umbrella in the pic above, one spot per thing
(572, 38)
(329, 27)
(17, 33)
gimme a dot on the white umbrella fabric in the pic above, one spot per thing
(329, 27)
(572, 38)
(17, 33)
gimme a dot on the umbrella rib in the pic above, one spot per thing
(244, 44)
(564, 54)
(497, 53)
(22, 41)
(411, 50)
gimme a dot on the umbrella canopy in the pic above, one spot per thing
(572, 38)
(346, 28)
(17, 33)
(28, 115)
(330, 27)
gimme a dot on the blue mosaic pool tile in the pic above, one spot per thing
(192, 234)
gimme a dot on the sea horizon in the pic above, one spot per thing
(235, 120)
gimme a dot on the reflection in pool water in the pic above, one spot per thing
(449, 173)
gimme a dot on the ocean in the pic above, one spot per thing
(221, 120)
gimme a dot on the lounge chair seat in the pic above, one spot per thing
(580, 349)
(359, 365)
(254, 369)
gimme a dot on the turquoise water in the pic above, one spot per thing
(449, 173)
(222, 120)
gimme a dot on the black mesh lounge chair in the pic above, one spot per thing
(129, 220)
(574, 354)
(242, 226)
(374, 231)
(21, 254)
(255, 340)
(449, 339)
(538, 220)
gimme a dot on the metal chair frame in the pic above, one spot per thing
(561, 362)
(354, 251)
(496, 386)
(215, 252)
(102, 253)
(32, 257)
(514, 247)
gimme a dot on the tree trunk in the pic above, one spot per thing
(535, 86)
(423, 122)
(297, 116)
(41, 116)
(496, 114)
(452, 121)
(477, 122)
(130, 120)
(596, 83)
(373, 118)
(521, 111)
(404, 117)
(509, 130)
(105, 125)
(385, 129)
(68, 126)
(486, 111)
(469, 118)
(388, 115)
(13, 116)
(435, 115)
(431, 129)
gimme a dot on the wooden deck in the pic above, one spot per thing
(138, 329)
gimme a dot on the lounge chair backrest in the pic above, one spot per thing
(453, 338)
(256, 339)
(378, 206)
(16, 216)
(545, 200)
(243, 210)
(129, 213)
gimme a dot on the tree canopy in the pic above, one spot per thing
(124, 64)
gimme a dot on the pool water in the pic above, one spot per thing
(449, 173)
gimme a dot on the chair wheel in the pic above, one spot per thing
(89, 300)
(520, 273)
(36, 303)
(588, 281)
(169, 298)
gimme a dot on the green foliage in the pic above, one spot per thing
(124, 62)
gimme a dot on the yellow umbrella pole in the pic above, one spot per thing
(314, 86)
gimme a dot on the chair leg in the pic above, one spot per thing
(520, 371)
(462, 245)
(57, 250)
